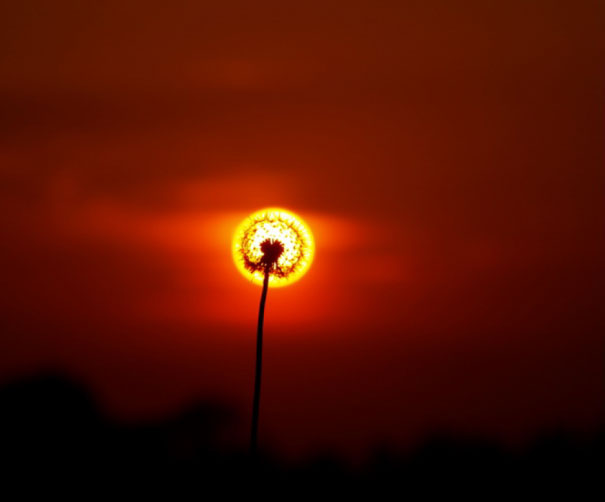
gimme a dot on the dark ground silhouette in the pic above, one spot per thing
(52, 435)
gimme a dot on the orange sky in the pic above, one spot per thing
(449, 159)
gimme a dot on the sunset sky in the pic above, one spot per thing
(448, 156)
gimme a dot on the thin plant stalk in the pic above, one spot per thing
(259, 365)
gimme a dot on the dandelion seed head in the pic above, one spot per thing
(273, 239)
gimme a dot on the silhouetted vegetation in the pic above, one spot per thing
(53, 434)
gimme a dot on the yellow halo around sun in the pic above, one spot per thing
(273, 224)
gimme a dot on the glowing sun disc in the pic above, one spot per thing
(273, 224)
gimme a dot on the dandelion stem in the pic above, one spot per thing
(259, 363)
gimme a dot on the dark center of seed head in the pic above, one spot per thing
(272, 250)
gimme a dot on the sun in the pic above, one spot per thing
(276, 239)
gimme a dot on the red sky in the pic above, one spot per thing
(449, 158)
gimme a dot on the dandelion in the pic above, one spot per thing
(272, 247)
